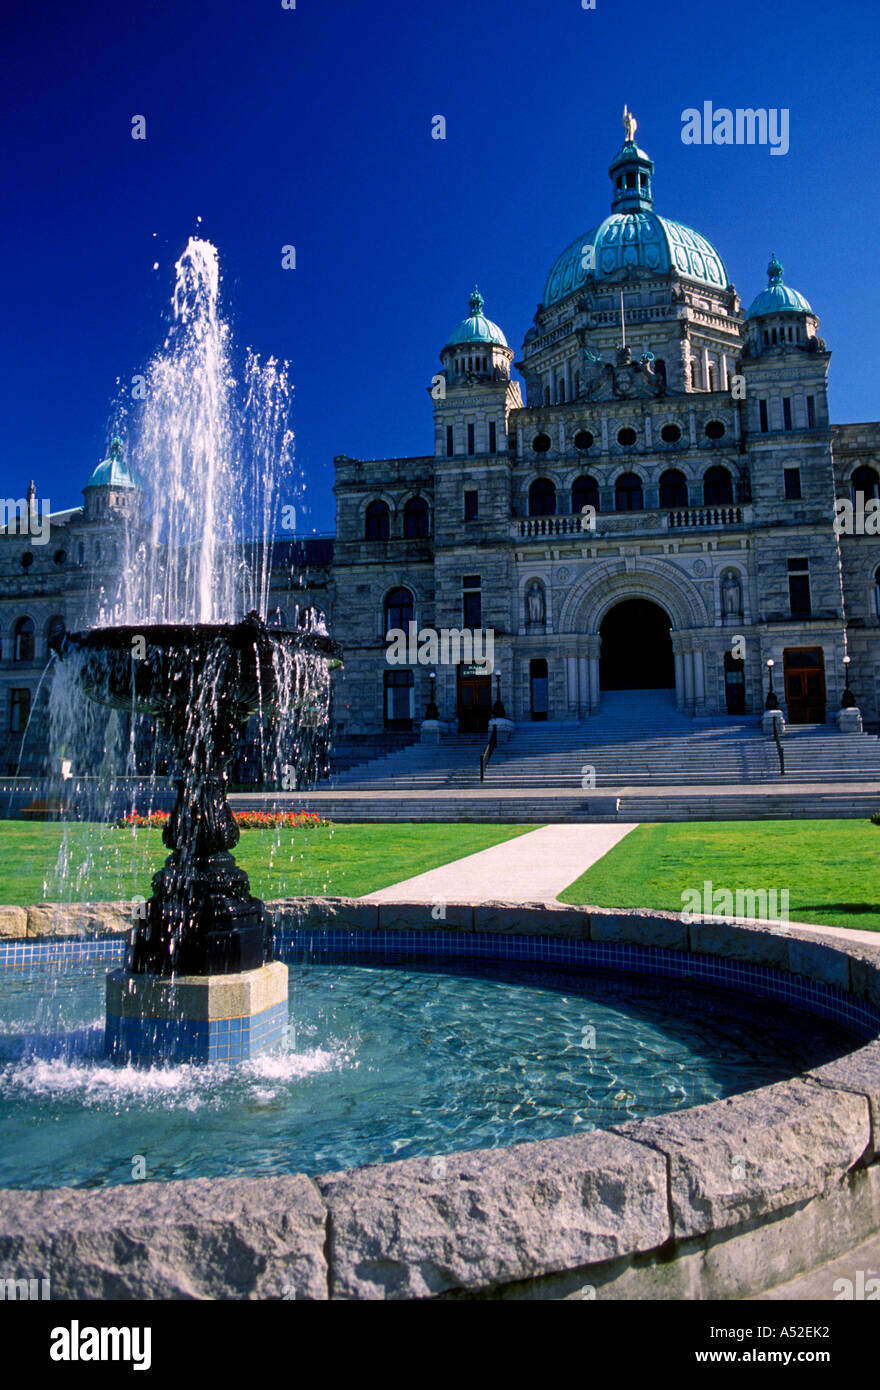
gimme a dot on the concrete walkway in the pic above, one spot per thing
(535, 867)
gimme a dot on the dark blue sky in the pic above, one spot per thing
(312, 127)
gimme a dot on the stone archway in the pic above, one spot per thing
(636, 650)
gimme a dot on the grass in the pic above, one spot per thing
(105, 863)
(831, 868)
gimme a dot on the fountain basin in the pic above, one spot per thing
(719, 1200)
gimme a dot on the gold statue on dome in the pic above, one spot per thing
(629, 125)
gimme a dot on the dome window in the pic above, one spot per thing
(626, 437)
(583, 440)
(715, 430)
(541, 443)
(670, 434)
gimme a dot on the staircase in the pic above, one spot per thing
(638, 740)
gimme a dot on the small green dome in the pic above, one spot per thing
(777, 298)
(476, 328)
(113, 471)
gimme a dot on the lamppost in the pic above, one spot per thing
(771, 702)
(432, 711)
(498, 710)
(847, 699)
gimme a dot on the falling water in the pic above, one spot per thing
(212, 448)
(214, 456)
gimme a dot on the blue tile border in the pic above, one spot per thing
(295, 944)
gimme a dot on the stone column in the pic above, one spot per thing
(679, 680)
(571, 681)
(583, 684)
(689, 682)
(594, 685)
(699, 684)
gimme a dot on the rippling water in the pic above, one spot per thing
(381, 1062)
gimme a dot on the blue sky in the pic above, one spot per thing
(312, 127)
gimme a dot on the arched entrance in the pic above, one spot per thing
(636, 651)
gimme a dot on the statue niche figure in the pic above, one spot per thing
(731, 596)
(535, 604)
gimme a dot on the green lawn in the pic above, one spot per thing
(831, 868)
(342, 860)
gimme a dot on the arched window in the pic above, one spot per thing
(584, 493)
(673, 488)
(378, 522)
(399, 609)
(542, 498)
(276, 617)
(865, 481)
(660, 369)
(628, 496)
(416, 519)
(877, 592)
(23, 640)
(56, 628)
(717, 487)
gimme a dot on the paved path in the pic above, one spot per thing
(530, 868)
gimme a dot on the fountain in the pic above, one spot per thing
(199, 980)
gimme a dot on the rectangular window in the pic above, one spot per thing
(492, 437)
(472, 604)
(786, 412)
(799, 587)
(19, 710)
(470, 439)
(471, 504)
(811, 412)
(792, 484)
(399, 699)
(449, 442)
(762, 410)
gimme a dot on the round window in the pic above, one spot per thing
(27, 559)
(626, 436)
(670, 434)
(541, 443)
(714, 430)
(583, 439)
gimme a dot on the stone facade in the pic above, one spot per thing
(641, 362)
(664, 447)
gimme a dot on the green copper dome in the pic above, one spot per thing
(634, 235)
(113, 471)
(777, 298)
(476, 328)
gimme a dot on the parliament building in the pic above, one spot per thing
(648, 504)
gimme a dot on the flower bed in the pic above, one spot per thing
(245, 820)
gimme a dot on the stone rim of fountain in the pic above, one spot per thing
(718, 1201)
